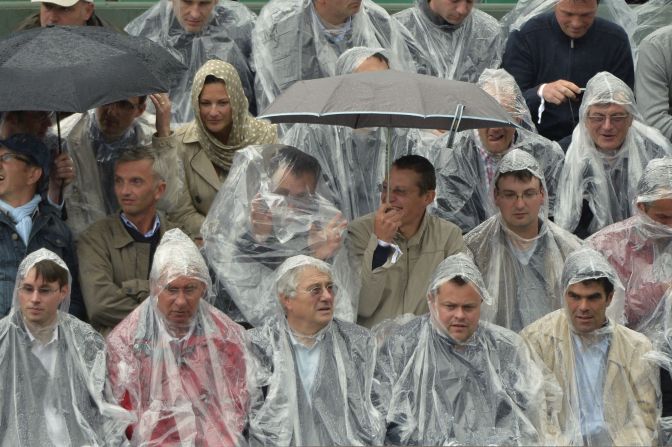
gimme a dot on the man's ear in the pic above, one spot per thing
(609, 298)
(89, 9)
(34, 175)
(429, 198)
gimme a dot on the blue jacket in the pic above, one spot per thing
(49, 232)
(540, 52)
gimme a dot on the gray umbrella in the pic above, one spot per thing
(388, 99)
(74, 69)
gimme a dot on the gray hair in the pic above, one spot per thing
(287, 275)
(160, 166)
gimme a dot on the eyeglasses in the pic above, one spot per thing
(189, 290)
(616, 120)
(4, 158)
(123, 105)
(42, 291)
(511, 196)
(317, 291)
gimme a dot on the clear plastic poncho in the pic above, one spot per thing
(91, 197)
(609, 394)
(640, 249)
(459, 52)
(290, 44)
(464, 172)
(607, 181)
(660, 332)
(225, 36)
(435, 391)
(353, 160)
(186, 382)
(273, 205)
(651, 16)
(54, 377)
(337, 409)
(522, 275)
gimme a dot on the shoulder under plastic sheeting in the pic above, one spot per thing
(640, 250)
(226, 35)
(338, 409)
(354, 57)
(607, 181)
(616, 11)
(463, 181)
(186, 385)
(352, 160)
(488, 391)
(291, 44)
(609, 395)
(459, 52)
(499, 84)
(54, 391)
(651, 16)
(273, 205)
(521, 274)
(91, 197)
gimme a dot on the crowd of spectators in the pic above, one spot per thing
(185, 273)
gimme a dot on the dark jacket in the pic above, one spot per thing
(49, 232)
(540, 52)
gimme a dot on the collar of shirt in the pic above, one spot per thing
(307, 360)
(150, 233)
(45, 353)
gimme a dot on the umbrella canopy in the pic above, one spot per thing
(74, 69)
(388, 98)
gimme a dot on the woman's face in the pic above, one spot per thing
(215, 110)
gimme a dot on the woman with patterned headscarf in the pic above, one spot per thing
(222, 126)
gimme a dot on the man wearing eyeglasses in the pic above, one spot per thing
(399, 246)
(519, 250)
(609, 151)
(95, 141)
(27, 221)
(316, 371)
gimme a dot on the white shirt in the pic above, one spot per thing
(307, 360)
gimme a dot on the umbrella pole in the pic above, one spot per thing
(388, 162)
(60, 150)
(455, 125)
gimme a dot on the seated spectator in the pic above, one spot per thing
(27, 222)
(116, 252)
(610, 148)
(316, 370)
(609, 392)
(353, 160)
(65, 13)
(519, 250)
(96, 139)
(195, 31)
(222, 126)
(176, 362)
(398, 245)
(446, 378)
(465, 171)
(453, 40)
(553, 55)
(53, 366)
(295, 40)
(273, 206)
(640, 248)
(653, 80)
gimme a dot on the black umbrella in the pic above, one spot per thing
(74, 69)
(389, 98)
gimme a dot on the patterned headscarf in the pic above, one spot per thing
(246, 130)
